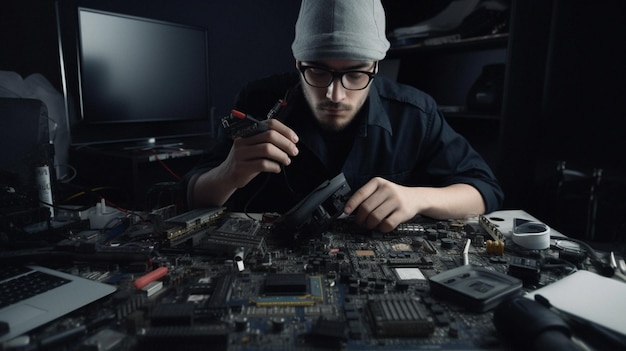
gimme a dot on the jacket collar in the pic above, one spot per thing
(376, 114)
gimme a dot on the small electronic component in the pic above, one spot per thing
(409, 274)
(290, 290)
(192, 221)
(490, 228)
(414, 320)
(285, 284)
(237, 236)
(240, 125)
(217, 304)
(150, 277)
(197, 217)
(526, 269)
(409, 229)
(494, 247)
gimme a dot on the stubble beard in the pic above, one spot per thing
(331, 123)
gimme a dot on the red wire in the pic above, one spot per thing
(167, 168)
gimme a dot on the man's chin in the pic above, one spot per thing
(333, 124)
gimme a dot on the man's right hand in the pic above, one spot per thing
(268, 151)
(264, 152)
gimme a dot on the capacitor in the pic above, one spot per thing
(241, 323)
(432, 235)
(447, 243)
(278, 324)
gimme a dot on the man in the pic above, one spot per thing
(398, 154)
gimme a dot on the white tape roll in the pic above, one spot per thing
(530, 234)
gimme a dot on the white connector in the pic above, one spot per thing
(102, 216)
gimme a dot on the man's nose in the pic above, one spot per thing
(335, 91)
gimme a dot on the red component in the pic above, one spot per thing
(238, 114)
(150, 277)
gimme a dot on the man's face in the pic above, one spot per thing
(334, 106)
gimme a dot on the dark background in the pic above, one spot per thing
(247, 39)
(564, 95)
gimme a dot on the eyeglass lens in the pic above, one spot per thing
(322, 78)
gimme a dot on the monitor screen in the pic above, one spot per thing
(139, 78)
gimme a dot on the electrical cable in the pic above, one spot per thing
(92, 190)
(275, 112)
(66, 178)
(167, 168)
(554, 263)
(253, 197)
(603, 268)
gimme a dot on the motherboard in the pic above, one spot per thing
(214, 280)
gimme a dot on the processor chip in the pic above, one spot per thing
(286, 284)
(409, 273)
(402, 247)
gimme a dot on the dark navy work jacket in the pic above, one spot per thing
(399, 135)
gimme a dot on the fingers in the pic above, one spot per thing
(259, 148)
(360, 196)
(264, 152)
(279, 138)
(287, 132)
(379, 204)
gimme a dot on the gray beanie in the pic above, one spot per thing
(340, 29)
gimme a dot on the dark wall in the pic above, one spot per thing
(564, 101)
(585, 87)
(28, 42)
(247, 39)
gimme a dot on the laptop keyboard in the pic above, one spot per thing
(20, 283)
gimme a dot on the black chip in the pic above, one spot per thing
(286, 284)
(399, 316)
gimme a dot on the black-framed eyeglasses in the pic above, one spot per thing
(319, 77)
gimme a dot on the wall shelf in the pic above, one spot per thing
(452, 43)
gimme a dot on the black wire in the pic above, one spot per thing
(263, 185)
(268, 175)
(253, 197)
(597, 261)
(553, 263)
(592, 253)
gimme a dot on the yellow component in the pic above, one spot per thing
(495, 247)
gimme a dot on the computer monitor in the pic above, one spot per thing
(136, 79)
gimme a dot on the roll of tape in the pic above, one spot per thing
(530, 234)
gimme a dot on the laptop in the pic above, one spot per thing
(53, 295)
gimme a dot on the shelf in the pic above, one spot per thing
(453, 43)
